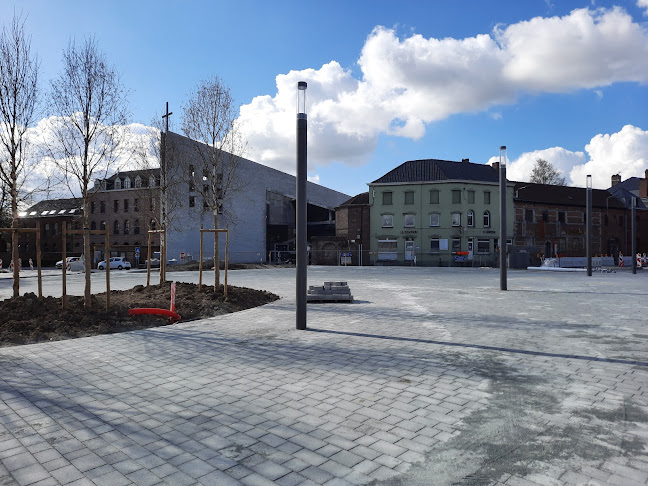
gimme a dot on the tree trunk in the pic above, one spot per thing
(216, 255)
(87, 257)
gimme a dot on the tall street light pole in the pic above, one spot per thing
(301, 206)
(633, 235)
(588, 229)
(502, 245)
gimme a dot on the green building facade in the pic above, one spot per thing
(439, 213)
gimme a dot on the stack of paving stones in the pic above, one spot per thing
(329, 292)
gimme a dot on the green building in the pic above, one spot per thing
(438, 212)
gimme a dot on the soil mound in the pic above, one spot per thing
(28, 319)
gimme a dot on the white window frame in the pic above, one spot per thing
(480, 242)
(486, 219)
(438, 220)
(409, 220)
(456, 219)
(387, 220)
(470, 218)
(117, 183)
(127, 183)
(388, 255)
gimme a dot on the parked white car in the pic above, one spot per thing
(59, 264)
(118, 263)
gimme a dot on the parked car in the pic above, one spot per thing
(115, 262)
(155, 261)
(59, 264)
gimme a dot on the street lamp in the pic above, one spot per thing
(588, 228)
(300, 210)
(633, 235)
(502, 187)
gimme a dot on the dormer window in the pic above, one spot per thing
(117, 183)
(127, 183)
(151, 181)
(138, 182)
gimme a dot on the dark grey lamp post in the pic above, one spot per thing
(633, 234)
(588, 216)
(300, 242)
(502, 245)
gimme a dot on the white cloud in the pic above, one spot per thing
(643, 4)
(411, 82)
(624, 152)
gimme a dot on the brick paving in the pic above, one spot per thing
(432, 376)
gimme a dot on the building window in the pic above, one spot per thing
(127, 183)
(92, 207)
(138, 182)
(153, 225)
(116, 228)
(387, 220)
(434, 219)
(486, 197)
(116, 206)
(434, 196)
(136, 227)
(470, 218)
(102, 207)
(117, 183)
(409, 220)
(152, 204)
(409, 197)
(136, 205)
(192, 186)
(151, 181)
(192, 170)
(434, 245)
(456, 196)
(486, 219)
(470, 245)
(577, 244)
(103, 226)
(192, 201)
(471, 197)
(561, 216)
(387, 198)
(545, 216)
(456, 245)
(125, 205)
(93, 225)
(387, 249)
(528, 215)
(456, 219)
(483, 246)
(126, 227)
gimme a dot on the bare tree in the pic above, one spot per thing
(209, 116)
(18, 97)
(89, 100)
(545, 173)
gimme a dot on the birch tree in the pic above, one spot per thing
(18, 98)
(209, 116)
(90, 102)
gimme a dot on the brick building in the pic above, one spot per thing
(550, 221)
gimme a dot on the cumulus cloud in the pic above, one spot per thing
(408, 83)
(643, 4)
(624, 153)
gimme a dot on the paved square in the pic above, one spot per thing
(432, 376)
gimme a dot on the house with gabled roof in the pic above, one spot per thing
(437, 212)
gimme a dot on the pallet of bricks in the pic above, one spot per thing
(329, 292)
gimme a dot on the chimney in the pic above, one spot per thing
(468, 160)
(643, 186)
(616, 179)
(496, 166)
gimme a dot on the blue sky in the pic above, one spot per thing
(388, 81)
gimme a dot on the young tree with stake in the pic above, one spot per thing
(18, 97)
(209, 116)
(89, 100)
